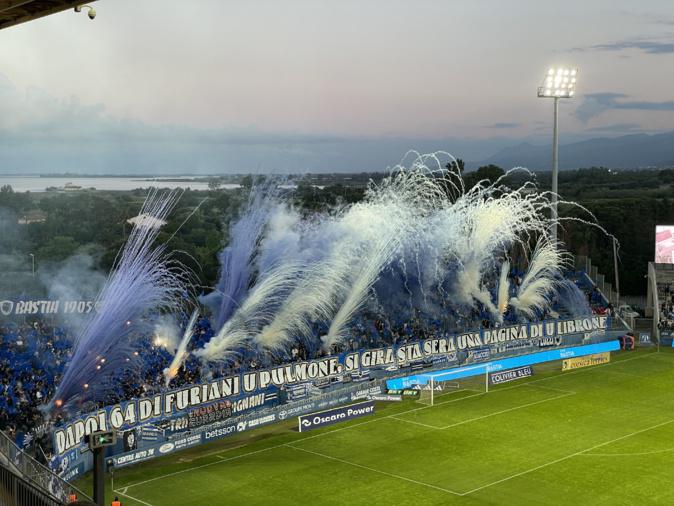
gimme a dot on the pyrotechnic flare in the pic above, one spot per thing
(237, 259)
(540, 281)
(419, 233)
(503, 288)
(181, 353)
(257, 311)
(143, 280)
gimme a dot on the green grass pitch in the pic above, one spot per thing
(598, 435)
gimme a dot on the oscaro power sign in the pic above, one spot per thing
(330, 416)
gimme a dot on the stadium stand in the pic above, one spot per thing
(33, 354)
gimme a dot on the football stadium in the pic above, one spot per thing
(433, 331)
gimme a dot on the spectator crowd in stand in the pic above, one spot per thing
(33, 356)
(666, 295)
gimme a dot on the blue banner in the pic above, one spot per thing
(507, 363)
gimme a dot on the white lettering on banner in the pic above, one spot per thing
(248, 403)
(218, 433)
(332, 416)
(48, 307)
(355, 366)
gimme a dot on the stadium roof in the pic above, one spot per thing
(13, 12)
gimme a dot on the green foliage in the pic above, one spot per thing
(628, 204)
(58, 248)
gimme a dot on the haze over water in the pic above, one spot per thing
(40, 184)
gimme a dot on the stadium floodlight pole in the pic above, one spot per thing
(615, 270)
(559, 82)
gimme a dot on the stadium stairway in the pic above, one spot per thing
(26, 482)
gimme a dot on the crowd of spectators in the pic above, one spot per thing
(33, 356)
(666, 294)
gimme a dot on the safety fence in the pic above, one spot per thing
(22, 472)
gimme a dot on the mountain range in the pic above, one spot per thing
(628, 151)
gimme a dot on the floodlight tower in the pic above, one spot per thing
(559, 82)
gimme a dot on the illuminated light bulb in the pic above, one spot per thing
(551, 71)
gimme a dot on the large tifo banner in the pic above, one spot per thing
(197, 405)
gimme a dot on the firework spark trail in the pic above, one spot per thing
(572, 298)
(181, 352)
(445, 245)
(237, 258)
(503, 288)
(256, 311)
(539, 282)
(143, 280)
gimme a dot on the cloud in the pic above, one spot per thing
(617, 128)
(40, 133)
(504, 125)
(647, 46)
(595, 104)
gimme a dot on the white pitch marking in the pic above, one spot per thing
(130, 497)
(514, 408)
(203, 465)
(374, 470)
(561, 459)
(415, 423)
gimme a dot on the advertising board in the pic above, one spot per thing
(336, 415)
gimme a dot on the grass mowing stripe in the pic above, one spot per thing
(203, 465)
(561, 459)
(634, 454)
(506, 410)
(514, 408)
(397, 476)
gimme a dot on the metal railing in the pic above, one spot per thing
(39, 475)
(15, 491)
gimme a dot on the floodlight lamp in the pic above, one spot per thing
(559, 82)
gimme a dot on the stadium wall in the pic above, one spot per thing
(501, 365)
